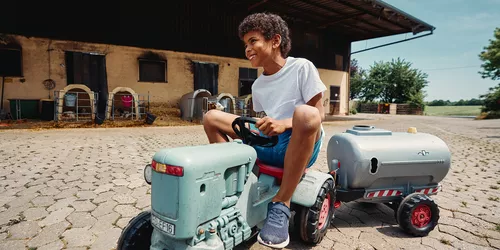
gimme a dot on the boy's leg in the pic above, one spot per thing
(306, 127)
(306, 131)
(218, 125)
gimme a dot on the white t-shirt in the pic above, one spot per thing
(293, 85)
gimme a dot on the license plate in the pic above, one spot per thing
(163, 225)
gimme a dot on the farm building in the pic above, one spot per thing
(170, 51)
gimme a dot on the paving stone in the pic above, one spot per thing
(35, 213)
(31, 190)
(436, 244)
(126, 210)
(24, 230)
(49, 191)
(123, 222)
(43, 201)
(83, 206)
(81, 219)
(494, 243)
(86, 195)
(104, 208)
(62, 203)
(103, 188)
(22, 201)
(103, 197)
(49, 234)
(105, 222)
(86, 186)
(6, 199)
(79, 237)
(12, 244)
(56, 216)
(459, 233)
(124, 199)
(56, 245)
(13, 213)
(121, 182)
(104, 242)
(67, 193)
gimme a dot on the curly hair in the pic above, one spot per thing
(269, 25)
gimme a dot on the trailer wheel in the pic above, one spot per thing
(418, 214)
(137, 234)
(313, 222)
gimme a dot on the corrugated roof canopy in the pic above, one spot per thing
(355, 19)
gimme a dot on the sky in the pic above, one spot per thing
(450, 55)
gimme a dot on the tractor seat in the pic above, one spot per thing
(273, 171)
(276, 172)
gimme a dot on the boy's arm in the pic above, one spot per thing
(269, 124)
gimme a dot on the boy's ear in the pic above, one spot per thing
(276, 41)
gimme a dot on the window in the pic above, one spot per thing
(11, 62)
(152, 71)
(246, 78)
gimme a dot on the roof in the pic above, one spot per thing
(355, 19)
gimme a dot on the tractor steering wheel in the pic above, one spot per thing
(252, 136)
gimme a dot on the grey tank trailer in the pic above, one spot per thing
(398, 169)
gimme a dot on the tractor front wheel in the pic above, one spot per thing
(312, 222)
(418, 214)
(137, 234)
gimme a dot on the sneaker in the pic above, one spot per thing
(275, 231)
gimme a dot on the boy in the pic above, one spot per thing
(289, 92)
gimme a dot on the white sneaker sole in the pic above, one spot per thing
(281, 245)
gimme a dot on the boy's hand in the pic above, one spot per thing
(270, 126)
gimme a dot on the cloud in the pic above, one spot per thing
(474, 22)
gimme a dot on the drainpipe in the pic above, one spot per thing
(3, 87)
(387, 44)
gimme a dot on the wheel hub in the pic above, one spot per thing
(323, 214)
(421, 216)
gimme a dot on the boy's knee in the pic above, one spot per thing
(211, 117)
(306, 118)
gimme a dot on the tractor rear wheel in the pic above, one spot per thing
(313, 222)
(137, 234)
(418, 214)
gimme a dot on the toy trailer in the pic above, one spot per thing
(399, 169)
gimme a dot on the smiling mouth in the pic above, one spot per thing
(251, 57)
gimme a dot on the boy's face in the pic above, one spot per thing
(257, 49)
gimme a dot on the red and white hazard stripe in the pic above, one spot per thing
(432, 190)
(384, 193)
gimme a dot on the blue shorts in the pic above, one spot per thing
(275, 156)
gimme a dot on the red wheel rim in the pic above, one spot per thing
(421, 216)
(323, 214)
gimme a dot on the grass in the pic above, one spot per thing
(452, 110)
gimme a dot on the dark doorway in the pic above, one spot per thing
(90, 70)
(246, 78)
(334, 100)
(206, 76)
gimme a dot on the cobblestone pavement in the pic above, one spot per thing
(77, 188)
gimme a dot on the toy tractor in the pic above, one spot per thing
(216, 196)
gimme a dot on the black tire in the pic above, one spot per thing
(418, 214)
(137, 234)
(307, 219)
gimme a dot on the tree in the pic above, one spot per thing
(491, 56)
(491, 69)
(395, 82)
(492, 99)
(358, 76)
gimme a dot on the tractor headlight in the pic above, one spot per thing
(147, 173)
